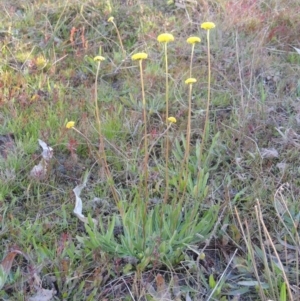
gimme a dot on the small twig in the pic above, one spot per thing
(131, 295)
(222, 276)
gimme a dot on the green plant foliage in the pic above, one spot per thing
(159, 239)
(283, 292)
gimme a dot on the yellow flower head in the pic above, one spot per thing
(70, 124)
(208, 25)
(193, 40)
(165, 38)
(99, 58)
(139, 56)
(41, 61)
(190, 81)
(172, 119)
(110, 19)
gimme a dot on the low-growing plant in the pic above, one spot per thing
(152, 236)
(155, 240)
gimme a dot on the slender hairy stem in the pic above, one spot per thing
(120, 40)
(191, 63)
(145, 130)
(167, 134)
(185, 162)
(145, 133)
(188, 130)
(167, 83)
(206, 124)
(101, 153)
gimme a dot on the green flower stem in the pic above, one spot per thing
(185, 166)
(101, 153)
(192, 56)
(145, 133)
(167, 134)
(188, 130)
(119, 37)
(206, 124)
(167, 84)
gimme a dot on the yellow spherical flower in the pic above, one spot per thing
(208, 25)
(110, 19)
(99, 58)
(172, 119)
(139, 56)
(190, 81)
(193, 40)
(165, 38)
(70, 124)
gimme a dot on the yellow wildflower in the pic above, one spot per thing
(41, 62)
(193, 40)
(208, 25)
(70, 124)
(165, 38)
(110, 19)
(139, 56)
(172, 119)
(99, 58)
(190, 81)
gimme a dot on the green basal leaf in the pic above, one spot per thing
(283, 292)
(212, 281)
